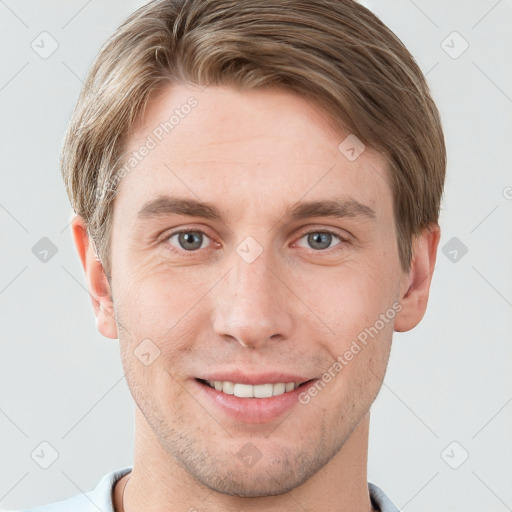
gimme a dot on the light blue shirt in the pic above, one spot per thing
(100, 498)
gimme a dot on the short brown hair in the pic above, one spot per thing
(333, 52)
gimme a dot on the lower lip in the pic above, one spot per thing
(253, 410)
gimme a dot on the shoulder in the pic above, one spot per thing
(379, 499)
(100, 498)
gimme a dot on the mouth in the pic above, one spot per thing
(243, 390)
(251, 399)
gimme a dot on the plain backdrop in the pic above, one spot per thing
(438, 438)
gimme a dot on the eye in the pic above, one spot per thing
(188, 240)
(321, 240)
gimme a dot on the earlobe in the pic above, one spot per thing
(415, 287)
(97, 282)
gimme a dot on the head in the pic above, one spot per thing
(255, 109)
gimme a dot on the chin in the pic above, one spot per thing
(254, 484)
(278, 471)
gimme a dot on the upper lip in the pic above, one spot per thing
(254, 379)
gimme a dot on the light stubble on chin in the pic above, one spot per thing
(280, 470)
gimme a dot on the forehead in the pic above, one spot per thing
(251, 151)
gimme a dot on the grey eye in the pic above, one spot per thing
(189, 240)
(320, 240)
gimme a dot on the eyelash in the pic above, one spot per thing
(302, 235)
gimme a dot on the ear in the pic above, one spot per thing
(97, 282)
(415, 285)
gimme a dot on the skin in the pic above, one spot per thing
(296, 307)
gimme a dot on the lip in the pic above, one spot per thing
(260, 378)
(251, 410)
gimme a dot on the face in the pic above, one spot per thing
(289, 267)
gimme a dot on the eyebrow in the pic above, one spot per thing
(338, 208)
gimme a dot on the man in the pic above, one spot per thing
(257, 188)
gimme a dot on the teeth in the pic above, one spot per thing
(266, 391)
(227, 387)
(250, 391)
(243, 390)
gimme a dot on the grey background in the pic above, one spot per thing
(448, 380)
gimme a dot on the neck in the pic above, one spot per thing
(157, 482)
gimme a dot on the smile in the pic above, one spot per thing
(252, 391)
(256, 398)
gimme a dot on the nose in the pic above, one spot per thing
(252, 304)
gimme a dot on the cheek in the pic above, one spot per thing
(158, 311)
(158, 296)
(142, 382)
(357, 306)
(351, 299)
